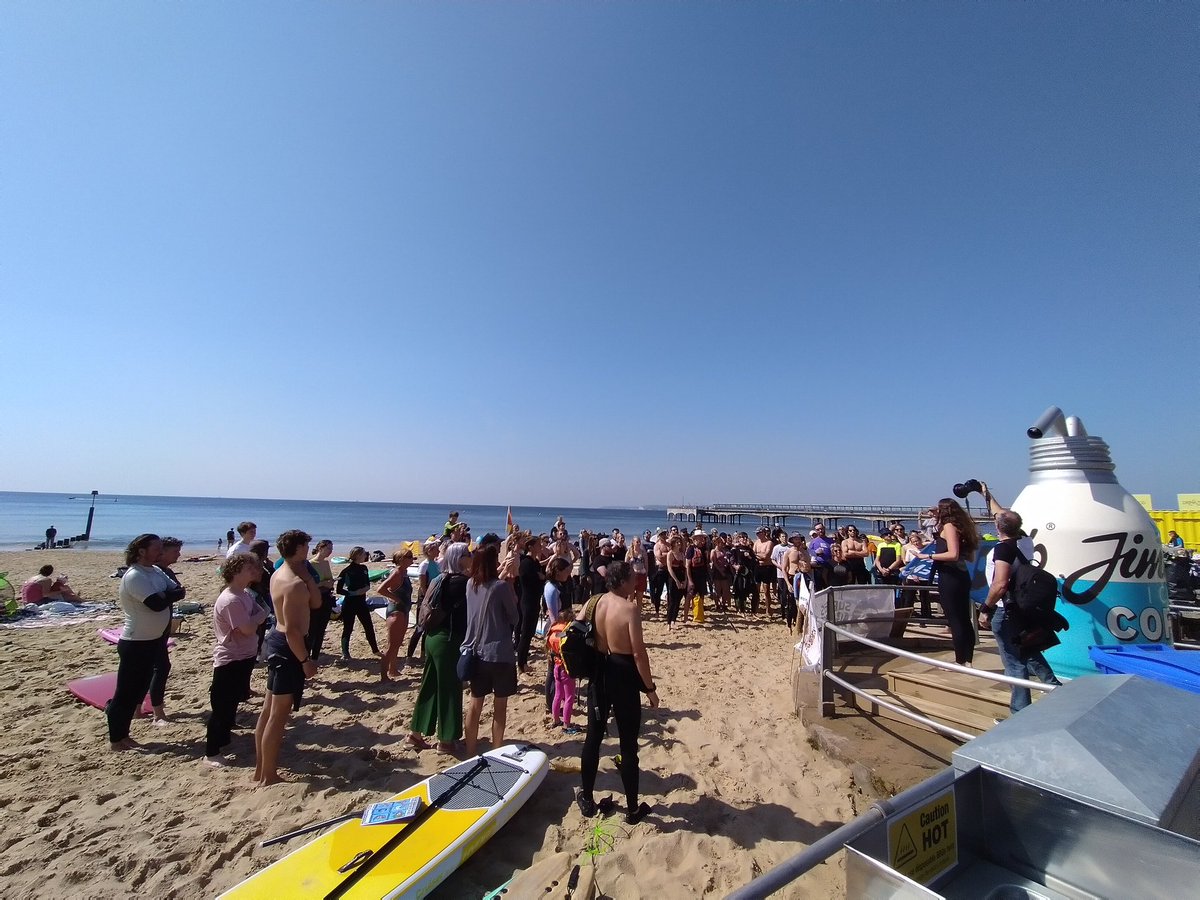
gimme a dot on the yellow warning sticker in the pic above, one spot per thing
(923, 843)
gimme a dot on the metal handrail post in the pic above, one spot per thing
(828, 652)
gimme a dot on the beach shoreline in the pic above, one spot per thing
(736, 784)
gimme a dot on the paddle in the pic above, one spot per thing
(400, 837)
(309, 829)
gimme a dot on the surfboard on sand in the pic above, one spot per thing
(479, 796)
(112, 635)
(97, 690)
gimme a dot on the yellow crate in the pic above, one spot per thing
(1185, 524)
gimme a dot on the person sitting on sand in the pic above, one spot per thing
(43, 587)
(622, 671)
(236, 617)
(295, 596)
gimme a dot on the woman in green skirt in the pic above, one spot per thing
(439, 708)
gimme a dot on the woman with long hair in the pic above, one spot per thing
(493, 615)
(439, 701)
(319, 619)
(954, 546)
(397, 590)
(145, 596)
(353, 583)
(641, 572)
(677, 578)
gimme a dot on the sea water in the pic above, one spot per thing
(200, 521)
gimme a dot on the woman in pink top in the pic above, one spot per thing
(236, 617)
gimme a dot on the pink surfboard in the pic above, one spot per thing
(112, 635)
(97, 690)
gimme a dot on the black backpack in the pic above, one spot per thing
(577, 646)
(1032, 589)
(439, 602)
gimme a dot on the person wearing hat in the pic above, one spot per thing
(820, 552)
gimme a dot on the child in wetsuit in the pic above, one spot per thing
(564, 685)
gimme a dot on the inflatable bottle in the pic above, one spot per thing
(1096, 539)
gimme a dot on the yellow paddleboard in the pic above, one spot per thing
(478, 800)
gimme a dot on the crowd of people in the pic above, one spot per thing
(496, 600)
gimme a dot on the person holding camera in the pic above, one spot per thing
(955, 544)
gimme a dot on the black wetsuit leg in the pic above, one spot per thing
(623, 685)
(134, 672)
(162, 668)
(529, 617)
(318, 623)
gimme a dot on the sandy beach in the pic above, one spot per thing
(735, 785)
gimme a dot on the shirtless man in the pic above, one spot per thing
(295, 595)
(623, 672)
(765, 571)
(796, 562)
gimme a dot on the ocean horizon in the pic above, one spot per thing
(200, 521)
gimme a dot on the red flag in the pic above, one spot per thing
(508, 522)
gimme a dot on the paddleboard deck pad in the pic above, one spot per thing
(97, 690)
(484, 799)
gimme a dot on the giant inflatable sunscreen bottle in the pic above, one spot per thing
(1099, 542)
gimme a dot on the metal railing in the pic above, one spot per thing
(832, 630)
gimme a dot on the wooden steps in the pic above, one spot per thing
(973, 722)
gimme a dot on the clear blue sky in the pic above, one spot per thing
(611, 253)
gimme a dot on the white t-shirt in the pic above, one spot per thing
(141, 622)
(777, 556)
(239, 546)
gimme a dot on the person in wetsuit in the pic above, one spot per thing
(955, 545)
(622, 672)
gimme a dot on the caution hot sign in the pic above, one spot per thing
(923, 843)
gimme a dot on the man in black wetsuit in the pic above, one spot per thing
(622, 673)
(531, 581)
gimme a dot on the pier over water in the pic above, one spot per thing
(777, 514)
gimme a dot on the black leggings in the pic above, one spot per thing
(229, 686)
(529, 617)
(134, 673)
(657, 583)
(954, 593)
(317, 624)
(354, 606)
(615, 688)
(162, 668)
(674, 597)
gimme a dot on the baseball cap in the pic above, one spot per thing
(490, 538)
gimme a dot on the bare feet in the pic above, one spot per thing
(446, 746)
(217, 762)
(417, 741)
(125, 744)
